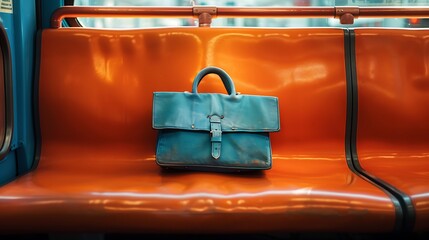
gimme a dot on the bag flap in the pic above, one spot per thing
(190, 111)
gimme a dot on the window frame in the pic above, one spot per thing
(8, 93)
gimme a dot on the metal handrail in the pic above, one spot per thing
(346, 14)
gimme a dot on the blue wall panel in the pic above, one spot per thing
(21, 29)
(25, 33)
(48, 7)
(8, 168)
(8, 165)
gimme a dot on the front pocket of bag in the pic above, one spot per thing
(193, 148)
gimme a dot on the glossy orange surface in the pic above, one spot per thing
(97, 170)
(393, 117)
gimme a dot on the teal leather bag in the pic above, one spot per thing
(206, 131)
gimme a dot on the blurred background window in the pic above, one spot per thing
(251, 22)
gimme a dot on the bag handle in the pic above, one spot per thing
(226, 79)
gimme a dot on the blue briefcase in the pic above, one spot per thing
(207, 131)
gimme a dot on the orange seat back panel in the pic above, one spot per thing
(98, 148)
(103, 95)
(393, 111)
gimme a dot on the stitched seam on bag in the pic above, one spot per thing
(154, 110)
(243, 130)
(270, 157)
(211, 166)
(278, 113)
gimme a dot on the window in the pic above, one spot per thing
(251, 22)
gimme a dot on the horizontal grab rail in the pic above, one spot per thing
(346, 14)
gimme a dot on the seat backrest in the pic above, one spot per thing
(393, 88)
(393, 110)
(96, 85)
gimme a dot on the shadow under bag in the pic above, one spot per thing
(207, 131)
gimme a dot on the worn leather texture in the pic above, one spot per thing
(220, 131)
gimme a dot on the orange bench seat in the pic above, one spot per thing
(97, 170)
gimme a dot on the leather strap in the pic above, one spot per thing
(216, 135)
(226, 79)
